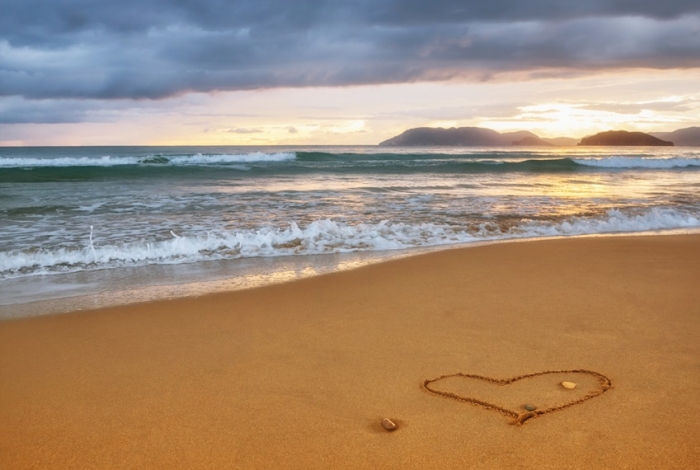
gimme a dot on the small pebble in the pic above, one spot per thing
(388, 424)
(569, 385)
(530, 407)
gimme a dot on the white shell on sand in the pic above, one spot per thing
(388, 424)
(569, 385)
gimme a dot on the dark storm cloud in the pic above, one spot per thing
(158, 48)
(16, 110)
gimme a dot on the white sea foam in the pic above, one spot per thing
(638, 162)
(26, 162)
(106, 161)
(616, 221)
(322, 236)
(199, 159)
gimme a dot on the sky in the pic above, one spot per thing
(265, 72)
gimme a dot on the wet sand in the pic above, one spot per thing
(299, 375)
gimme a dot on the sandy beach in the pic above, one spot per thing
(299, 375)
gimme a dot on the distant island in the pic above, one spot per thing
(482, 137)
(624, 138)
(689, 136)
(467, 136)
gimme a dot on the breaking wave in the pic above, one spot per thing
(109, 161)
(638, 162)
(319, 237)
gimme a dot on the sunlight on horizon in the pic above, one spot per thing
(574, 120)
(370, 114)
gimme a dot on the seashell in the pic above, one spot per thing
(388, 424)
(569, 385)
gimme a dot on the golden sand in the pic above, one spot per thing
(301, 375)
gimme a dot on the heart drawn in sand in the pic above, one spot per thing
(553, 396)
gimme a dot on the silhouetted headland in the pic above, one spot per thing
(624, 138)
(690, 136)
(464, 137)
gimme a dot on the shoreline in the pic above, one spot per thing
(210, 277)
(300, 374)
(229, 276)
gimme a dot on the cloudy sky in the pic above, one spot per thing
(89, 72)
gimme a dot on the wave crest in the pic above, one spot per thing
(319, 237)
(638, 162)
(107, 161)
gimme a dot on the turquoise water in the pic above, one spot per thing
(76, 211)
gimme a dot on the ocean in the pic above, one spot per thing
(85, 227)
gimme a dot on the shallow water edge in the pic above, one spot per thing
(64, 293)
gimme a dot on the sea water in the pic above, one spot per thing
(106, 225)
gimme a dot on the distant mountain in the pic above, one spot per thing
(562, 141)
(428, 136)
(623, 138)
(532, 141)
(689, 136)
(518, 135)
(523, 138)
(479, 136)
(461, 137)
